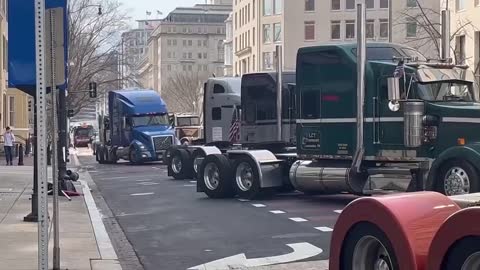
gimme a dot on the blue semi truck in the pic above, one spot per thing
(137, 128)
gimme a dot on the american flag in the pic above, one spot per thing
(399, 70)
(234, 132)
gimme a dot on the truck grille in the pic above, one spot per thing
(162, 143)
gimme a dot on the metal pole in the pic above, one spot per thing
(41, 135)
(390, 21)
(279, 91)
(33, 216)
(361, 62)
(445, 34)
(55, 175)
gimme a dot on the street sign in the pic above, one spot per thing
(21, 43)
(301, 251)
(58, 46)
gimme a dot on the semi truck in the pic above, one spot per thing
(137, 128)
(188, 128)
(397, 114)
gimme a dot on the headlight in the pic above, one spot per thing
(142, 146)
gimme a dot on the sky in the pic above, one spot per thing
(137, 8)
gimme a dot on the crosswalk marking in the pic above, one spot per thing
(298, 219)
(337, 211)
(277, 212)
(324, 229)
(259, 205)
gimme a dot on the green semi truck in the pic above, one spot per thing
(399, 114)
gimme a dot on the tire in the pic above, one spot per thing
(195, 163)
(112, 157)
(461, 168)
(132, 157)
(101, 155)
(459, 253)
(358, 235)
(246, 188)
(224, 186)
(181, 164)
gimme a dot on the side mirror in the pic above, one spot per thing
(393, 89)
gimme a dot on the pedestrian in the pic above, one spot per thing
(9, 139)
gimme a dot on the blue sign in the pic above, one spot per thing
(21, 43)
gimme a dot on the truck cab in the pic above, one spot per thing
(139, 129)
(419, 113)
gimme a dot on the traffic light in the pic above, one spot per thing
(70, 113)
(92, 88)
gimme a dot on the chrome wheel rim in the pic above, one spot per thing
(370, 253)
(456, 182)
(211, 176)
(244, 176)
(472, 262)
(177, 164)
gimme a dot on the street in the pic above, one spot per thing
(172, 227)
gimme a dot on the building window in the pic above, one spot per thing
(460, 49)
(189, 55)
(169, 55)
(221, 51)
(349, 29)
(11, 111)
(189, 67)
(384, 28)
(267, 61)
(335, 4)
(199, 43)
(350, 4)
(335, 30)
(277, 32)
(253, 36)
(205, 43)
(253, 9)
(370, 3)
(184, 43)
(411, 3)
(460, 4)
(205, 55)
(267, 7)
(253, 62)
(310, 30)
(411, 28)
(199, 55)
(277, 7)
(370, 31)
(184, 56)
(267, 33)
(236, 20)
(309, 5)
(190, 42)
(169, 42)
(174, 43)
(384, 3)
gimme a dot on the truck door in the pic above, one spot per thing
(387, 124)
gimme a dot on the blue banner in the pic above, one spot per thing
(21, 43)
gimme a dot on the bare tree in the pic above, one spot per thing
(94, 48)
(428, 29)
(183, 92)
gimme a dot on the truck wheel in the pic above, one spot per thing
(215, 177)
(458, 177)
(181, 164)
(247, 178)
(101, 155)
(132, 157)
(112, 156)
(464, 255)
(367, 247)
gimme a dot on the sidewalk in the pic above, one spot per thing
(79, 241)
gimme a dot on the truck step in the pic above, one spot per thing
(389, 171)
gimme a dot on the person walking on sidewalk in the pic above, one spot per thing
(9, 139)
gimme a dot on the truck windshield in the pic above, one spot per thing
(187, 121)
(150, 120)
(83, 132)
(447, 91)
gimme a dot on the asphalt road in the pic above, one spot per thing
(172, 227)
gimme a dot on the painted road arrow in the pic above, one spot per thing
(301, 251)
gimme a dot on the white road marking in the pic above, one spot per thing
(277, 212)
(113, 178)
(144, 180)
(194, 182)
(301, 251)
(189, 185)
(298, 219)
(337, 211)
(243, 200)
(142, 194)
(148, 183)
(324, 229)
(259, 205)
